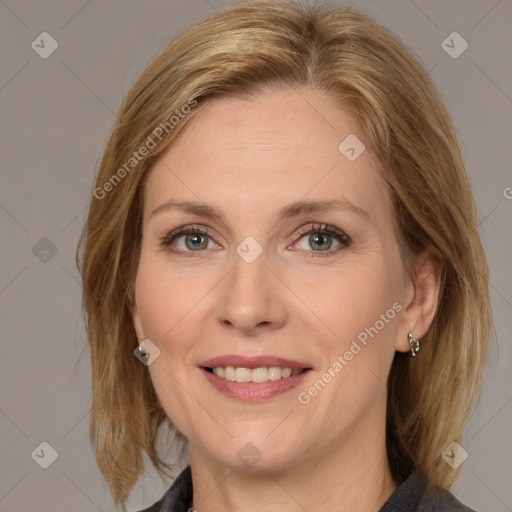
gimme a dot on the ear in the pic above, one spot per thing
(136, 321)
(422, 294)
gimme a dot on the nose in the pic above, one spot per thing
(251, 300)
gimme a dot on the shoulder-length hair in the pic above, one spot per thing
(268, 45)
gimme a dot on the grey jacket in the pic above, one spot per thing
(413, 495)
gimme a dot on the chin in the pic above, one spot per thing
(253, 453)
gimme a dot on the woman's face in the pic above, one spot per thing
(277, 280)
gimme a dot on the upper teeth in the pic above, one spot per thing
(263, 374)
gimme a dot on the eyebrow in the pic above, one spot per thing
(288, 211)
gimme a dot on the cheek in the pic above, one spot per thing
(362, 311)
(167, 301)
(165, 298)
(351, 299)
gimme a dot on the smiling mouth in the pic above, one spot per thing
(256, 375)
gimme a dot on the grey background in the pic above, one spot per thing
(55, 117)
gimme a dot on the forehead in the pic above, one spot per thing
(267, 151)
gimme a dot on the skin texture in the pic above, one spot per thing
(250, 158)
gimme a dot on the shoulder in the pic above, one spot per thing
(415, 494)
(441, 500)
(178, 497)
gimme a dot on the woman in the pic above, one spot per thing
(283, 231)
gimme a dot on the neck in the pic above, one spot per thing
(351, 473)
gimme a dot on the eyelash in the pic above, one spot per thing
(317, 228)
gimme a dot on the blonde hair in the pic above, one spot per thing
(360, 65)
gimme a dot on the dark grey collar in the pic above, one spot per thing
(178, 497)
(416, 495)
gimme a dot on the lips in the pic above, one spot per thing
(275, 375)
(254, 362)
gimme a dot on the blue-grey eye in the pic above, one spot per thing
(195, 241)
(321, 241)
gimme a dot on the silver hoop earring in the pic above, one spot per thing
(414, 344)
